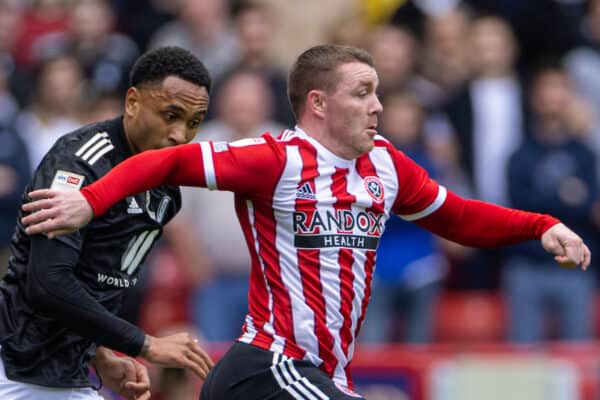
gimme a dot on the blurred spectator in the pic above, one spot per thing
(408, 277)
(100, 107)
(414, 13)
(583, 64)
(254, 24)
(9, 108)
(551, 173)
(16, 79)
(349, 30)
(106, 56)
(140, 18)
(14, 165)
(243, 108)
(54, 107)
(302, 24)
(14, 175)
(544, 28)
(446, 51)
(488, 115)
(221, 303)
(44, 16)
(445, 153)
(395, 51)
(204, 28)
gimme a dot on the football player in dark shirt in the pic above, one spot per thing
(60, 296)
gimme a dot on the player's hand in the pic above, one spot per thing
(56, 212)
(123, 375)
(180, 350)
(567, 247)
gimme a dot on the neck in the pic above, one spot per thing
(129, 128)
(317, 131)
(551, 131)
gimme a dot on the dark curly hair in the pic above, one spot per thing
(155, 65)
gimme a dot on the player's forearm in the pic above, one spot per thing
(479, 224)
(178, 165)
(53, 289)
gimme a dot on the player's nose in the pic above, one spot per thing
(377, 107)
(178, 135)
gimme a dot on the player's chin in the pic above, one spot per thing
(367, 146)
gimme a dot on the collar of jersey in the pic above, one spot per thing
(325, 152)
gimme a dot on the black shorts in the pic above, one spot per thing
(248, 372)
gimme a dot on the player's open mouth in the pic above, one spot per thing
(372, 130)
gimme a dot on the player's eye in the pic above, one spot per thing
(169, 116)
(194, 123)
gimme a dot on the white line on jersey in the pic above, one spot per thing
(96, 147)
(286, 135)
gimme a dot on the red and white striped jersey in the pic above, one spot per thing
(312, 222)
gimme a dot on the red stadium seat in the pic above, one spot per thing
(470, 316)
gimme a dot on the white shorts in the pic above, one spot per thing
(12, 390)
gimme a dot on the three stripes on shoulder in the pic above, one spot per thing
(94, 148)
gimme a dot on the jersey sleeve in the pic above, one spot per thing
(53, 289)
(418, 195)
(249, 168)
(469, 222)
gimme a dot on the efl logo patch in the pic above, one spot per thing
(374, 187)
(66, 180)
(219, 147)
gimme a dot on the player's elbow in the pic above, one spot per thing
(37, 295)
(42, 294)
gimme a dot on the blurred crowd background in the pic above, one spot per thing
(497, 99)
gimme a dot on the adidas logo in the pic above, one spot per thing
(133, 207)
(305, 192)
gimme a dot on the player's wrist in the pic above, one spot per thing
(103, 355)
(146, 347)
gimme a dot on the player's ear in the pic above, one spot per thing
(315, 102)
(132, 101)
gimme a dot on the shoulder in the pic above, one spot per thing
(86, 142)
(81, 153)
(266, 143)
(383, 145)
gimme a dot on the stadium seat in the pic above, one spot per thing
(470, 316)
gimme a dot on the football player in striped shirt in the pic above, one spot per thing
(59, 299)
(312, 204)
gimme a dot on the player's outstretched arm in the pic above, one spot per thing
(56, 212)
(180, 350)
(53, 289)
(480, 224)
(568, 248)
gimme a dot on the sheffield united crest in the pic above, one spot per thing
(374, 187)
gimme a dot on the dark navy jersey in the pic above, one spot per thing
(37, 346)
